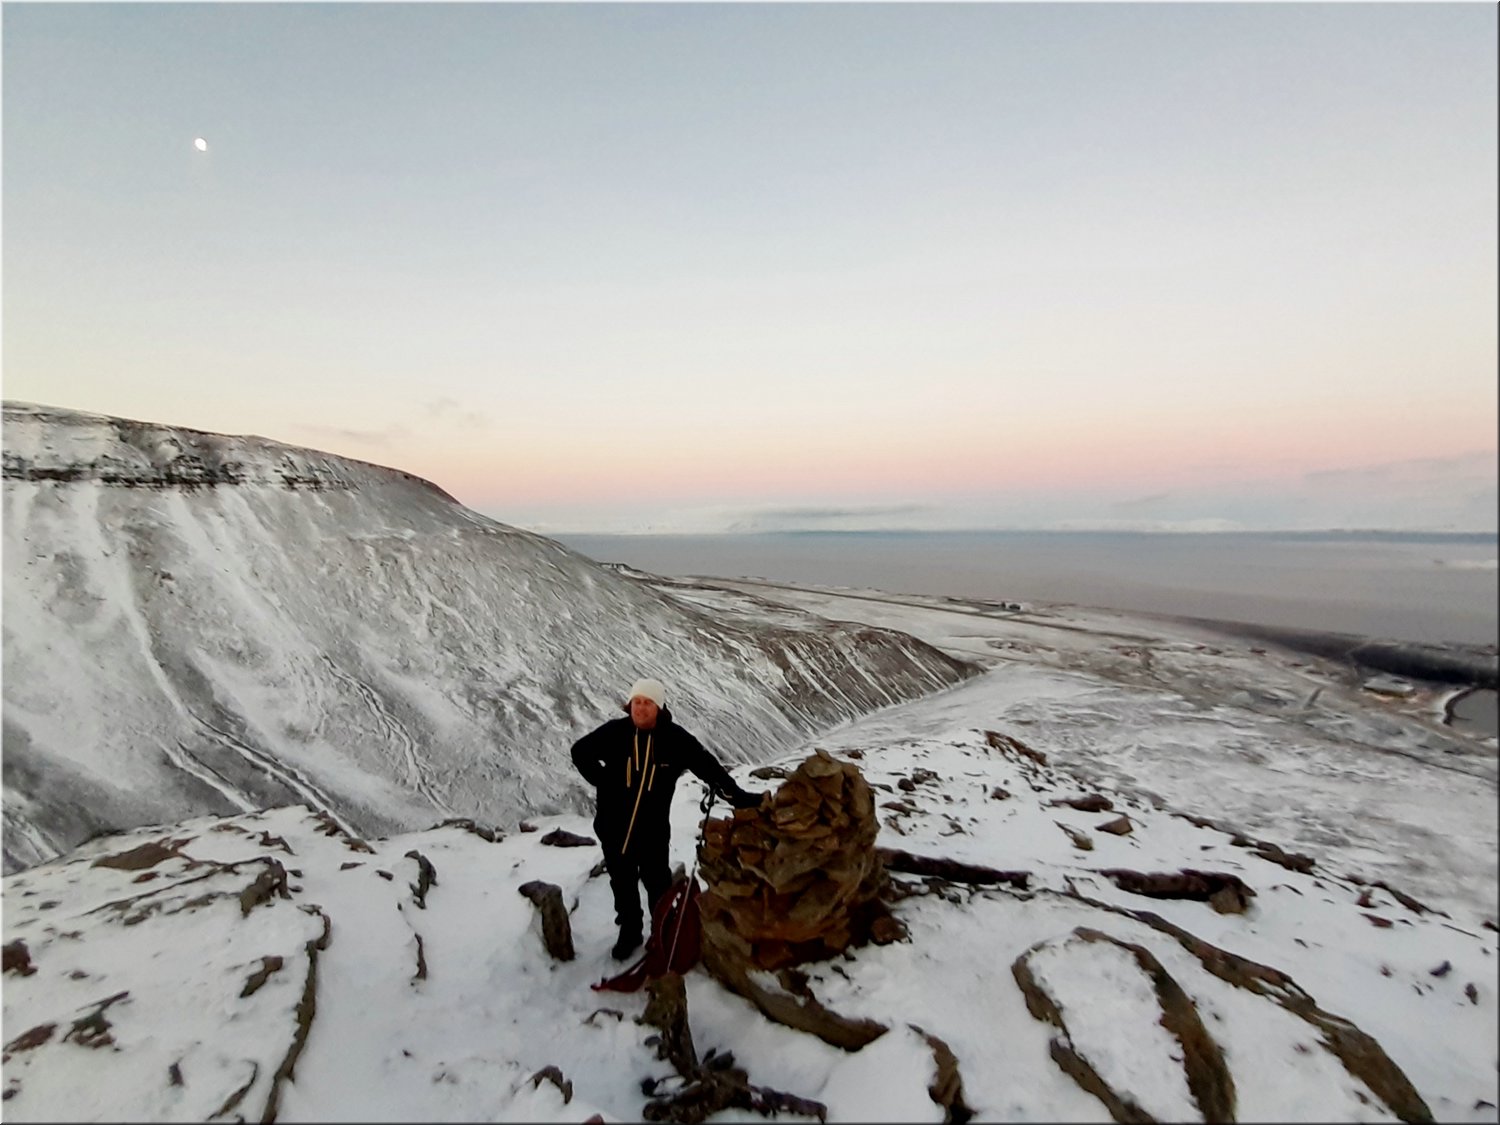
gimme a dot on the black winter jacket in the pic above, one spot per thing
(634, 773)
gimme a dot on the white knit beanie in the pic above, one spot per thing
(650, 689)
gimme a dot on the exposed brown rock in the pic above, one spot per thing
(491, 835)
(1080, 841)
(330, 827)
(557, 931)
(92, 1030)
(713, 1084)
(17, 959)
(1292, 861)
(1263, 849)
(142, 857)
(233, 1100)
(791, 1002)
(1041, 1005)
(426, 878)
(947, 1088)
(306, 1011)
(796, 879)
(1120, 826)
(666, 1010)
(1225, 892)
(1091, 802)
(269, 841)
(255, 980)
(559, 838)
(886, 929)
(1361, 1055)
(270, 882)
(555, 1076)
(1406, 900)
(1007, 744)
(950, 869)
(1208, 1076)
(29, 1039)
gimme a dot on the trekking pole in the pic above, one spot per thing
(706, 805)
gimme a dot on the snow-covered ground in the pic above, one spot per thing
(1294, 748)
(450, 1009)
(268, 963)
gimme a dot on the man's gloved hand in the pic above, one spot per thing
(744, 799)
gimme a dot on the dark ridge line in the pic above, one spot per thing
(1477, 665)
(19, 414)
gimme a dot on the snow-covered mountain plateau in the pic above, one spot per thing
(199, 623)
(1140, 868)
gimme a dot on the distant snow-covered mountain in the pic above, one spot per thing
(198, 623)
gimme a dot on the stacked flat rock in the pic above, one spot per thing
(796, 879)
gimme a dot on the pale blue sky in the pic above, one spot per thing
(629, 266)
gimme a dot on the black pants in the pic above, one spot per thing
(645, 864)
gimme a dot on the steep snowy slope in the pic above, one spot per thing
(197, 623)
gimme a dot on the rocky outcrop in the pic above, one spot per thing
(799, 879)
(1208, 1078)
(557, 931)
(947, 1087)
(713, 1083)
(1361, 1055)
(1226, 892)
(950, 870)
(794, 881)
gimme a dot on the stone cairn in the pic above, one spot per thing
(796, 879)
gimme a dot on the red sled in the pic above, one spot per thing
(675, 942)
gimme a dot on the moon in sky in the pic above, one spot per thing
(200, 144)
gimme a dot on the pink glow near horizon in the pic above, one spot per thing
(1113, 262)
(1114, 454)
(1015, 474)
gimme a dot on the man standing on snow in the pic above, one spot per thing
(633, 763)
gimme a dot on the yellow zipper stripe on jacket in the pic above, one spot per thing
(642, 783)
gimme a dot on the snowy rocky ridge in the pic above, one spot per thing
(1255, 887)
(198, 623)
(269, 966)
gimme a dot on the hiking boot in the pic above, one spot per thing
(630, 941)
